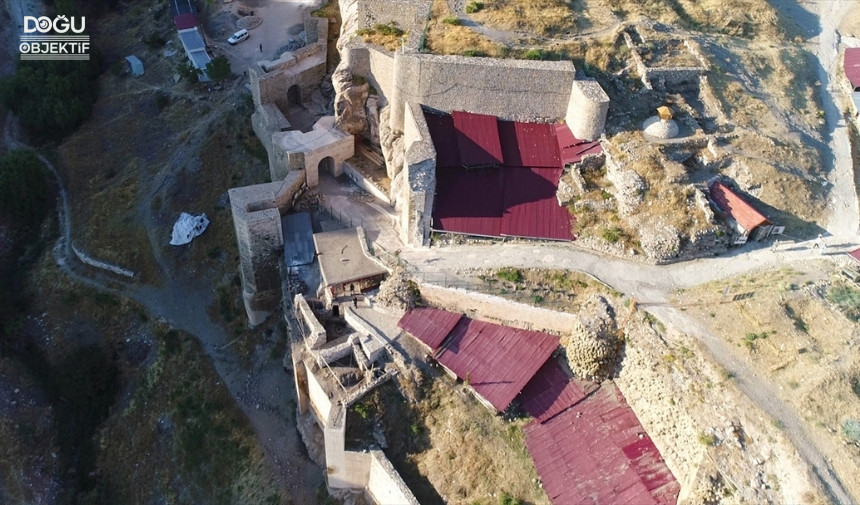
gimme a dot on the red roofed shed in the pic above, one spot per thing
(852, 66)
(748, 223)
(855, 255)
(185, 21)
(597, 453)
(429, 325)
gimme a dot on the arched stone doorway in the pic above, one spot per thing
(294, 95)
(326, 165)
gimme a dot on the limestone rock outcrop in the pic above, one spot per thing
(349, 102)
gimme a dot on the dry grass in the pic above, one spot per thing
(388, 36)
(739, 18)
(443, 38)
(795, 339)
(559, 290)
(489, 452)
(536, 17)
(181, 436)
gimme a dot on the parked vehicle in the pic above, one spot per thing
(239, 36)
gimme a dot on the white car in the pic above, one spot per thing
(238, 37)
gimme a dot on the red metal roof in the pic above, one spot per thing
(852, 66)
(429, 325)
(531, 208)
(444, 138)
(855, 255)
(736, 207)
(185, 21)
(477, 139)
(551, 391)
(514, 193)
(572, 149)
(498, 361)
(469, 201)
(598, 453)
(529, 144)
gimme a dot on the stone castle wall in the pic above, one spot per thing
(520, 90)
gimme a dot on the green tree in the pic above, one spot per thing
(24, 193)
(52, 98)
(218, 69)
(189, 72)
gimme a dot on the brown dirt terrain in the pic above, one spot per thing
(794, 326)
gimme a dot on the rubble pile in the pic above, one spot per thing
(398, 291)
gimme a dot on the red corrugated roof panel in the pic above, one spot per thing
(444, 138)
(498, 361)
(185, 21)
(855, 255)
(478, 139)
(571, 148)
(529, 144)
(469, 201)
(429, 325)
(852, 66)
(736, 207)
(551, 391)
(598, 453)
(531, 207)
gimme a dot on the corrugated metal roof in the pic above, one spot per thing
(855, 255)
(477, 139)
(516, 199)
(852, 66)
(298, 239)
(571, 148)
(598, 453)
(498, 361)
(185, 21)
(444, 138)
(469, 201)
(531, 207)
(551, 391)
(529, 144)
(736, 207)
(429, 325)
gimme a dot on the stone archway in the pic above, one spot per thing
(294, 95)
(326, 165)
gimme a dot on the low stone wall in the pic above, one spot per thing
(320, 402)
(498, 310)
(314, 334)
(87, 260)
(384, 484)
(362, 182)
(419, 182)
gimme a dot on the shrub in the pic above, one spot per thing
(154, 41)
(707, 439)
(851, 429)
(513, 275)
(533, 54)
(218, 69)
(452, 20)
(847, 299)
(474, 52)
(473, 7)
(505, 498)
(612, 235)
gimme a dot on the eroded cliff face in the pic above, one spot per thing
(358, 110)
(350, 92)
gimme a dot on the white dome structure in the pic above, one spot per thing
(660, 128)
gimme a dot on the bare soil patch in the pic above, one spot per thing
(787, 326)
